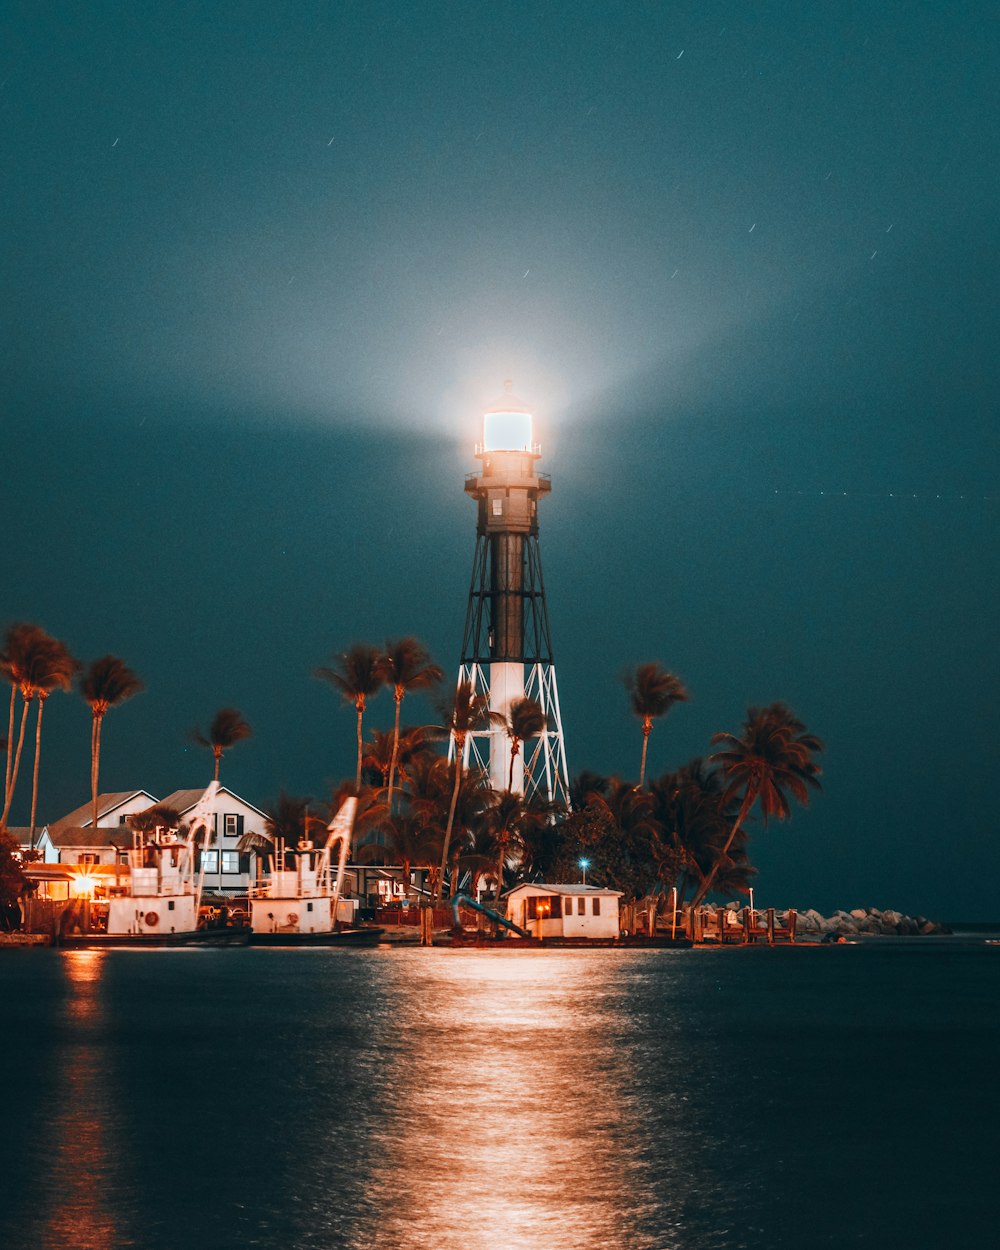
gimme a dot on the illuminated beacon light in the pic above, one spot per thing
(507, 431)
(83, 886)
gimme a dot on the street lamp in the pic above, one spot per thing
(584, 865)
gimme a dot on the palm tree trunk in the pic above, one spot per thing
(357, 778)
(95, 753)
(10, 740)
(459, 750)
(17, 764)
(395, 751)
(706, 885)
(513, 757)
(647, 729)
(34, 778)
(218, 760)
(501, 860)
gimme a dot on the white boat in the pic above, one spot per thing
(301, 902)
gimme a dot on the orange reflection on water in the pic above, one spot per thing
(501, 1134)
(80, 1214)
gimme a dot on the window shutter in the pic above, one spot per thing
(239, 826)
(244, 858)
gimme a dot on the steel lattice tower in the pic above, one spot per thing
(507, 649)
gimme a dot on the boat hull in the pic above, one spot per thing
(195, 937)
(345, 937)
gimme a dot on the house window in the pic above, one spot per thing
(122, 818)
(597, 906)
(497, 507)
(123, 857)
(209, 861)
(231, 822)
(309, 906)
(230, 861)
(86, 858)
(170, 905)
(549, 906)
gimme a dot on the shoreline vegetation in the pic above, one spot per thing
(681, 835)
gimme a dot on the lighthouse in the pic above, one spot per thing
(507, 646)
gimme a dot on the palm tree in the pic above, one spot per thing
(159, 816)
(107, 683)
(696, 815)
(54, 670)
(227, 728)
(356, 674)
(15, 659)
(405, 665)
(654, 692)
(525, 720)
(465, 712)
(771, 760)
(512, 820)
(382, 747)
(36, 664)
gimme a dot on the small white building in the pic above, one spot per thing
(564, 911)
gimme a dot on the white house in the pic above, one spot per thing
(227, 869)
(72, 838)
(564, 911)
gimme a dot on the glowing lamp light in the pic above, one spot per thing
(83, 886)
(507, 431)
(584, 865)
(507, 424)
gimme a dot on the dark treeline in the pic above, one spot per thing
(419, 808)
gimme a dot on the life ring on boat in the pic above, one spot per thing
(293, 917)
(151, 918)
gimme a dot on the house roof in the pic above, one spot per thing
(564, 889)
(88, 838)
(183, 800)
(80, 817)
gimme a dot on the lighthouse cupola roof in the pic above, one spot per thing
(507, 423)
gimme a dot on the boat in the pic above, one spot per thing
(158, 901)
(301, 903)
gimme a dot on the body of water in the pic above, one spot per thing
(404, 1098)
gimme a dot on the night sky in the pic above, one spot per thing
(264, 264)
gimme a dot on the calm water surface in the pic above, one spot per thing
(462, 1099)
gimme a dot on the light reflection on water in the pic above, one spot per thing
(507, 1133)
(83, 1160)
(319, 1100)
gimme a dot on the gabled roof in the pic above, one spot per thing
(87, 838)
(183, 800)
(81, 816)
(564, 889)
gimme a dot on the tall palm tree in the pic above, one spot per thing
(653, 691)
(227, 728)
(771, 760)
(382, 747)
(512, 819)
(357, 675)
(405, 665)
(159, 816)
(107, 683)
(54, 670)
(463, 713)
(18, 644)
(696, 816)
(525, 720)
(35, 664)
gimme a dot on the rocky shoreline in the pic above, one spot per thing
(861, 922)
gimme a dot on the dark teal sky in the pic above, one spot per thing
(262, 265)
